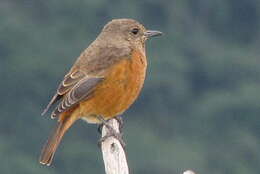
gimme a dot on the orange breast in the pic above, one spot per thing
(118, 91)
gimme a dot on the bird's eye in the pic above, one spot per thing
(135, 30)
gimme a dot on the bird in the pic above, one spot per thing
(104, 81)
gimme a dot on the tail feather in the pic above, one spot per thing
(54, 140)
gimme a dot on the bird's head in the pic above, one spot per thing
(128, 31)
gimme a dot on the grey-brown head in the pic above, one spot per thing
(128, 30)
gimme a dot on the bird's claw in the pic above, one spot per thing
(111, 131)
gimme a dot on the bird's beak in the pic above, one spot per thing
(152, 33)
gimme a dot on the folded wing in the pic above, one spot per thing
(75, 87)
(81, 91)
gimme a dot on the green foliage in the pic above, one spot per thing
(200, 105)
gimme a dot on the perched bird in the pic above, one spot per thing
(104, 81)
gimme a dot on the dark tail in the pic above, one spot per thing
(54, 140)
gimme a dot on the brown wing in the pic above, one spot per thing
(92, 61)
(81, 91)
(69, 81)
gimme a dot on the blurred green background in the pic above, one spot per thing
(199, 108)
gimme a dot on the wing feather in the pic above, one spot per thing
(69, 81)
(93, 61)
(79, 92)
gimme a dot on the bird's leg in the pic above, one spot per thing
(100, 126)
(118, 118)
(121, 123)
(111, 131)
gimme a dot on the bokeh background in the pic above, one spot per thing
(199, 108)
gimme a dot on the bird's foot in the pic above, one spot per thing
(118, 118)
(100, 126)
(120, 121)
(111, 131)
